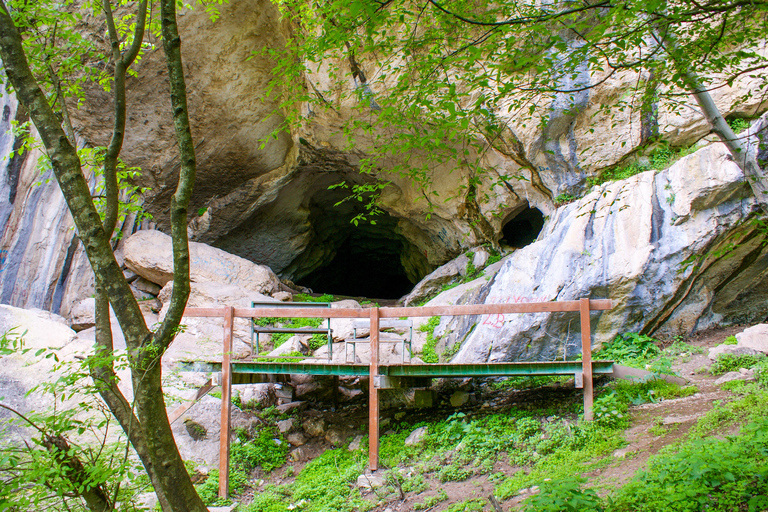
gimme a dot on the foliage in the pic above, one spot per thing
(630, 349)
(563, 495)
(61, 456)
(428, 354)
(431, 501)
(651, 390)
(459, 64)
(730, 340)
(305, 297)
(471, 505)
(266, 450)
(610, 411)
(705, 474)
(731, 362)
(739, 124)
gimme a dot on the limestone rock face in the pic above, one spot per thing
(149, 253)
(653, 244)
(202, 337)
(21, 371)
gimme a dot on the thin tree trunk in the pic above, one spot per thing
(104, 376)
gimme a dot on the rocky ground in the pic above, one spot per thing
(653, 426)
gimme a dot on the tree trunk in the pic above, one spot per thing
(144, 349)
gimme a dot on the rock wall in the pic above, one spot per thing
(270, 203)
(675, 251)
(42, 264)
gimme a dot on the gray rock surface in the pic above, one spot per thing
(149, 254)
(755, 337)
(628, 241)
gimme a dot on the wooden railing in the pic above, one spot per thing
(582, 306)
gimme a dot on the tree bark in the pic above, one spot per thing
(144, 349)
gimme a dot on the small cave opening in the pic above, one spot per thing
(371, 259)
(523, 228)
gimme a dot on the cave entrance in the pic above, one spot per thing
(365, 265)
(523, 228)
(370, 259)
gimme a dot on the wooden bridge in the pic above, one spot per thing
(392, 375)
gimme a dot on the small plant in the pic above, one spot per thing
(305, 297)
(428, 354)
(564, 495)
(431, 501)
(472, 505)
(730, 363)
(704, 474)
(453, 473)
(730, 340)
(738, 125)
(630, 349)
(610, 411)
(564, 199)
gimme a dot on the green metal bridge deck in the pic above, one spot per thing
(406, 370)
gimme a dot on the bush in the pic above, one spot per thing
(730, 363)
(564, 495)
(706, 474)
(266, 450)
(630, 349)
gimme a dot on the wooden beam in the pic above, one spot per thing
(226, 404)
(495, 309)
(586, 357)
(373, 392)
(176, 414)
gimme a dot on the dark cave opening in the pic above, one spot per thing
(523, 228)
(364, 266)
(370, 259)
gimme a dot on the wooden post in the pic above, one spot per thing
(226, 403)
(586, 357)
(373, 399)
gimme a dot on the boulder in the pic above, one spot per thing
(82, 315)
(742, 374)
(202, 337)
(341, 328)
(755, 337)
(149, 253)
(205, 416)
(416, 436)
(433, 283)
(633, 242)
(735, 350)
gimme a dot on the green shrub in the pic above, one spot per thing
(304, 297)
(730, 340)
(325, 483)
(431, 501)
(473, 505)
(630, 349)
(266, 450)
(730, 363)
(705, 474)
(428, 354)
(453, 473)
(563, 495)
(610, 411)
(652, 390)
(739, 125)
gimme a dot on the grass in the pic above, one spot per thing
(552, 450)
(659, 159)
(428, 354)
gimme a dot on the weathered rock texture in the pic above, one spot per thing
(270, 203)
(661, 246)
(149, 253)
